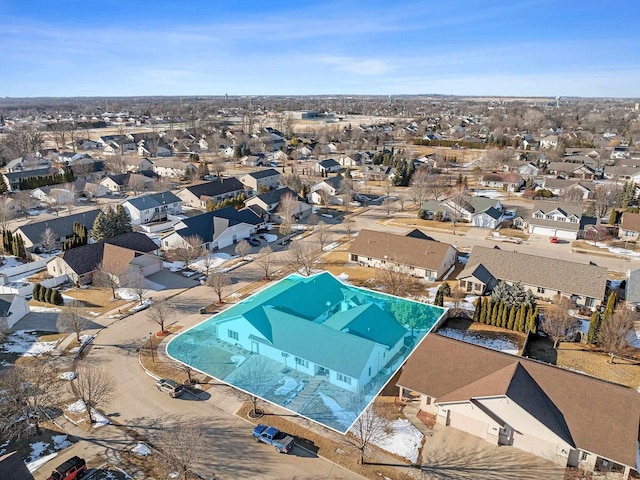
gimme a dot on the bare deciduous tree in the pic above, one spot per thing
(243, 248)
(347, 191)
(115, 164)
(265, 260)
(137, 283)
(321, 231)
(111, 275)
(94, 386)
(27, 391)
(217, 281)
(24, 201)
(613, 336)
(348, 223)
(286, 210)
(189, 250)
(419, 185)
(394, 279)
(183, 444)
(5, 214)
(369, 426)
(218, 165)
(558, 324)
(71, 319)
(48, 240)
(302, 256)
(256, 377)
(160, 312)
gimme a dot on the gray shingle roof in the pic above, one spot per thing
(61, 226)
(269, 172)
(562, 275)
(217, 187)
(154, 200)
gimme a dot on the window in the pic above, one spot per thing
(540, 289)
(232, 334)
(369, 371)
(428, 401)
(302, 362)
(343, 378)
(584, 456)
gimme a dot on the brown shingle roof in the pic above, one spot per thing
(400, 249)
(601, 417)
(562, 275)
(630, 221)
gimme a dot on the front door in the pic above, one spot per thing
(255, 347)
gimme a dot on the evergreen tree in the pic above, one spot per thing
(99, 228)
(57, 298)
(494, 313)
(48, 296)
(36, 291)
(532, 320)
(477, 309)
(512, 317)
(486, 305)
(501, 307)
(503, 317)
(594, 328)
(613, 218)
(122, 221)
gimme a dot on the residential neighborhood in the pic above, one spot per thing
(340, 277)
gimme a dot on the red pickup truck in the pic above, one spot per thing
(72, 469)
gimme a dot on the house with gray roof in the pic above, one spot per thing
(328, 165)
(62, 228)
(314, 331)
(12, 467)
(583, 284)
(632, 289)
(216, 190)
(12, 179)
(476, 210)
(217, 229)
(565, 417)
(266, 204)
(155, 207)
(12, 308)
(559, 219)
(629, 226)
(267, 178)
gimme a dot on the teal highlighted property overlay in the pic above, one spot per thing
(313, 345)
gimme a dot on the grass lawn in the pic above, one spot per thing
(580, 357)
(98, 300)
(461, 228)
(16, 357)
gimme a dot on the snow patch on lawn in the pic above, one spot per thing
(38, 462)
(617, 250)
(126, 294)
(343, 416)
(269, 237)
(489, 193)
(288, 385)
(25, 342)
(40, 309)
(60, 442)
(403, 439)
(67, 375)
(79, 407)
(330, 247)
(499, 344)
(213, 261)
(238, 359)
(141, 449)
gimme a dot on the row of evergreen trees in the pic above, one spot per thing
(80, 237)
(47, 295)
(111, 223)
(13, 244)
(599, 319)
(44, 180)
(521, 318)
(236, 202)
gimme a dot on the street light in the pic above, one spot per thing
(153, 360)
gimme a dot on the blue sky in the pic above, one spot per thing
(462, 47)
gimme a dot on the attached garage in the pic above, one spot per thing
(539, 447)
(468, 424)
(553, 232)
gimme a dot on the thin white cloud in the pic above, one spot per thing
(357, 66)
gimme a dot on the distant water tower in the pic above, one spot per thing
(557, 102)
(226, 97)
(389, 100)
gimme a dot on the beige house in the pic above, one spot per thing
(565, 417)
(545, 277)
(262, 179)
(629, 226)
(418, 256)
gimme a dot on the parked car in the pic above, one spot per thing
(254, 242)
(274, 437)
(73, 468)
(173, 388)
(554, 240)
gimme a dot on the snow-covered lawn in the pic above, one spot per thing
(213, 260)
(343, 416)
(84, 340)
(465, 304)
(617, 250)
(174, 266)
(10, 262)
(269, 237)
(403, 439)
(40, 309)
(330, 247)
(78, 407)
(288, 385)
(126, 294)
(42, 452)
(499, 344)
(489, 193)
(25, 342)
(67, 375)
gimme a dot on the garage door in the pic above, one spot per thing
(535, 445)
(542, 230)
(468, 424)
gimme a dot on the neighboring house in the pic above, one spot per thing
(632, 289)
(153, 208)
(272, 142)
(478, 211)
(510, 182)
(262, 179)
(217, 229)
(583, 284)
(172, 168)
(266, 204)
(629, 226)
(569, 169)
(28, 162)
(13, 467)
(12, 179)
(328, 165)
(254, 160)
(53, 194)
(86, 144)
(352, 160)
(550, 141)
(335, 318)
(12, 308)
(622, 174)
(120, 183)
(565, 417)
(374, 172)
(528, 170)
(418, 257)
(138, 165)
(558, 219)
(328, 189)
(217, 190)
(131, 254)
(62, 228)
(574, 189)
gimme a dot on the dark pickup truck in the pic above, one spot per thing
(274, 437)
